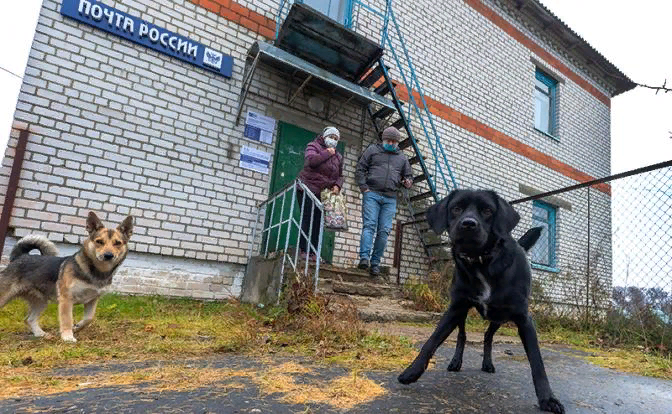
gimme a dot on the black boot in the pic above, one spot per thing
(363, 264)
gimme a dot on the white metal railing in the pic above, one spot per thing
(288, 223)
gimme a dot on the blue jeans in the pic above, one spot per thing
(377, 214)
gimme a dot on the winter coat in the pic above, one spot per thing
(382, 171)
(320, 169)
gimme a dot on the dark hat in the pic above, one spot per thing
(391, 133)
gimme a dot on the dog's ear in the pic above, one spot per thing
(506, 217)
(93, 223)
(126, 227)
(438, 214)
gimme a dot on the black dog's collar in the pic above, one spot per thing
(482, 259)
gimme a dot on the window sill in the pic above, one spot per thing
(548, 135)
(545, 268)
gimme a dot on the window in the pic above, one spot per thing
(336, 9)
(545, 102)
(543, 252)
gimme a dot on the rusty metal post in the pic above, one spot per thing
(398, 238)
(12, 186)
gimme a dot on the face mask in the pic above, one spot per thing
(390, 147)
(330, 142)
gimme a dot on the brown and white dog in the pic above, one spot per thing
(72, 280)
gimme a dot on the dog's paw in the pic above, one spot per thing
(410, 375)
(455, 365)
(68, 338)
(552, 405)
(488, 367)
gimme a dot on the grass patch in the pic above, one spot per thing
(432, 295)
(136, 328)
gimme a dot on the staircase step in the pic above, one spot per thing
(341, 274)
(420, 213)
(421, 196)
(373, 77)
(421, 177)
(384, 88)
(441, 244)
(375, 290)
(405, 143)
(399, 123)
(416, 159)
(390, 310)
(420, 221)
(383, 113)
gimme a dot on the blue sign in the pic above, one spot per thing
(139, 31)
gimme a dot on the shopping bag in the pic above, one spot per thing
(335, 211)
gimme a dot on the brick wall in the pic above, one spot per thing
(121, 129)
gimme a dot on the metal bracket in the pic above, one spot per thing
(303, 85)
(347, 101)
(247, 81)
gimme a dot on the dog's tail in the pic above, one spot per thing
(530, 237)
(34, 241)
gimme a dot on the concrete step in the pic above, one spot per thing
(359, 288)
(384, 309)
(352, 274)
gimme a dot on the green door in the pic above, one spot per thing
(287, 164)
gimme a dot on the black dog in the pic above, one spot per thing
(526, 241)
(492, 274)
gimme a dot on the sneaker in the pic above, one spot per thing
(363, 264)
(375, 270)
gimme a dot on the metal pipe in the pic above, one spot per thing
(303, 85)
(284, 256)
(270, 222)
(254, 233)
(282, 213)
(596, 181)
(245, 86)
(13, 185)
(588, 257)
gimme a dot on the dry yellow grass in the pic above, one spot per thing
(343, 392)
(160, 378)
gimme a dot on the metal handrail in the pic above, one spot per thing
(290, 222)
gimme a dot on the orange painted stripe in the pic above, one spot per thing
(264, 26)
(232, 11)
(536, 49)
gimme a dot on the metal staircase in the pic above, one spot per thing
(433, 176)
(416, 122)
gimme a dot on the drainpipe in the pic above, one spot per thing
(12, 185)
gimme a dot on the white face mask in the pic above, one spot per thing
(330, 142)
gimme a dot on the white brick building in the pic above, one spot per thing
(120, 128)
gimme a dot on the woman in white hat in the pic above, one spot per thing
(322, 168)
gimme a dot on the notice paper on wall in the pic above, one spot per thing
(253, 159)
(259, 127)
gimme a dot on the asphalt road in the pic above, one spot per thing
(580, 386)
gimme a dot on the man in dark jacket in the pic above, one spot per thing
(381, 169)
